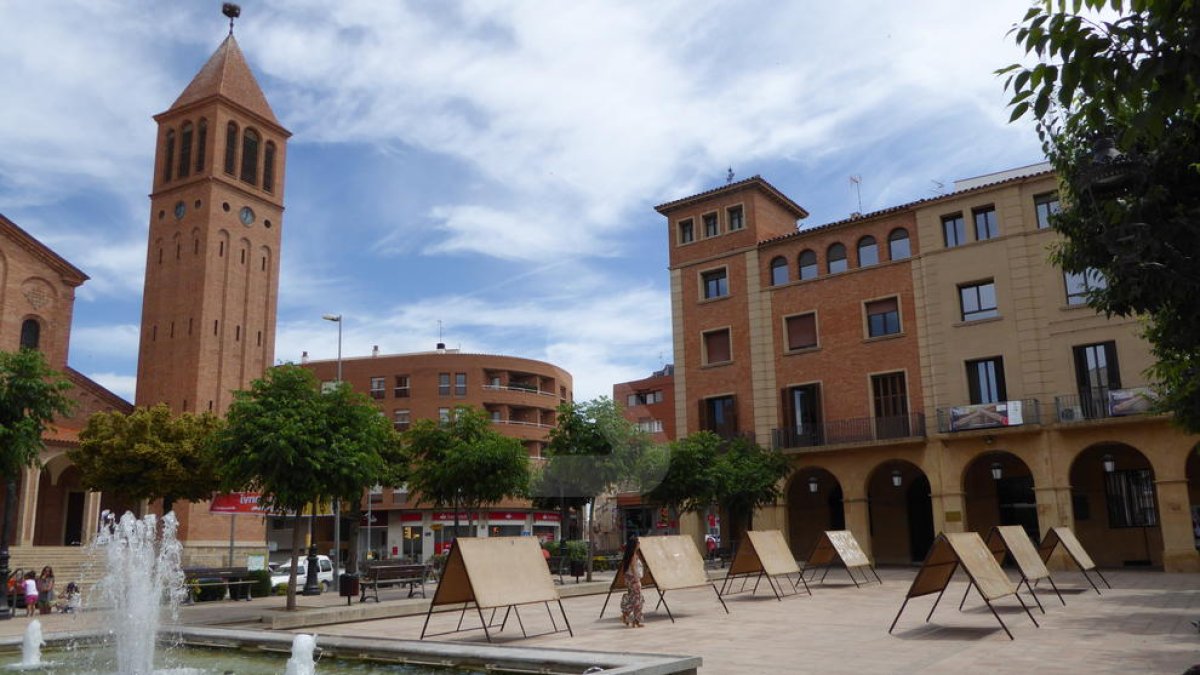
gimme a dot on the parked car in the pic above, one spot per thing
(324, 573)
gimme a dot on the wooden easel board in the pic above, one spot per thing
(1012, 539)
(1066, 537)
(673, 562)
(952, 549)
(837, 545)
(766, 552)
(495, 572)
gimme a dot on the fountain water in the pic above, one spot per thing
(302, 662)
(142, 570)
(31, 646)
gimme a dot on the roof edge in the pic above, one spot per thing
(70, 273)
(753, 181)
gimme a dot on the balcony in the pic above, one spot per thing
(851, 431)
(1104, 403)
(989, 415)
(519, 387)
(523, 423)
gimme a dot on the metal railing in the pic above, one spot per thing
(1102, 403)
(1014, 413)
(853, 430)
(523, 423)
(521, 388)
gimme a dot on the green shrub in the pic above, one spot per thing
(262, 587)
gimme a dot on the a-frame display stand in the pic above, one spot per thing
(764, 555)
(669, 563)
(839, 546)
(1066, 537)
(496, 573)
(1012, 540)
(966, 549)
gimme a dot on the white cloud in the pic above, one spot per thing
(124, 386)
(109, 341)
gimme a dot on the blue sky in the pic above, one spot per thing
(493, 165)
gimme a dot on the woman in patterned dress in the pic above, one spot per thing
(631, 602)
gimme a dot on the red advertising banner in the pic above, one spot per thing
(235, 503)
(507, 515)
(448, 516)
(411, 517)
(547, 517)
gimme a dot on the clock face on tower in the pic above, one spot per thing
(180, 209)
(246, 215)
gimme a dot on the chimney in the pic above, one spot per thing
(375, 351)
(303, 357)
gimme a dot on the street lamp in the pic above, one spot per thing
(896, 480)
(337, 516)
(997, 471)
(812, 484)
(1110, 464)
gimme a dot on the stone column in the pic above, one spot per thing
(1175, 521)
(91, 516)
(27, 511)
(858, 522)
(949, 512)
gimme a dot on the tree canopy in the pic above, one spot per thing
(148, 454)
(31, 395)
(1116, 98)
(297, 446)
(464, 463)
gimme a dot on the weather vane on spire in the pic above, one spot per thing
(729, 176)
(232, 11)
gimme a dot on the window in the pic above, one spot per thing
(496, 419)
(890, 395)
(185, 149)
(328, 386)
(201, 143)
(719, 415)
(443, 384)
(716, 284)
(986, 225)
(779, 271)
(460, 384)
(868, 251)
(836, 259)
(645, 398)
(444, 415)
(1046, 205)
(250, 156)
(801, 331)
(650, 426)
(269, 167)
(711, 226)
(403, 386)
(1130, 498)
(808, 265)
(802, 416)
(985, 381)
(401, 419)
(632, 400)
(1096, 374)
(377, 387)
(31, 334)
(687, 231)
(978, 301)
(883, 317)
(716, 347)
(231, 132)
(1079, 286)
(898, 245)
(954, 230)
(735, 217)
(169, 162)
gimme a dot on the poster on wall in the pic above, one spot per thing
(983, 416)
(1133, 401)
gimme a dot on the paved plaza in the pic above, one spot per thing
(1142, 625)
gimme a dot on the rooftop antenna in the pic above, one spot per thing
(938, 186)
(729, 176)
(439, 330)
(856, 180)
(232, 11)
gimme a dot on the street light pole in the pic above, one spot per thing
(337, 516)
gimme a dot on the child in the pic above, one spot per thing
(31, 594)
(46, 587)
(70, 600)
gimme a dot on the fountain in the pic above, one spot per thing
(31, 646)
(302, 662)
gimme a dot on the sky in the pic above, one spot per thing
(485, 172)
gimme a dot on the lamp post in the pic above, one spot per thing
(337, 516)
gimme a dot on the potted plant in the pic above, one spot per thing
(577, 557)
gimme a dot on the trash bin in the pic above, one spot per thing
(348, 586)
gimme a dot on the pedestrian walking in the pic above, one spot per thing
(632, 568)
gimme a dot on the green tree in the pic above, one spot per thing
(592, 449)
(736, 473)
(465, 463)
(298, 447)
(148, 454)
(1116, 98)
(31, 395)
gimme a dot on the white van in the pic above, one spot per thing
(324, 573)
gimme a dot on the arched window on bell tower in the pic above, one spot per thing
(31, 334)
(201, 143)
(170, 158)
(250, 156)
(185, 149)
(231, 147)
(269, 167)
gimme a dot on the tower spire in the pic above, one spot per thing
(232, 11)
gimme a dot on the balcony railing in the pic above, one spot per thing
(1102, 403)
(854, 430)
(523, 423)
(523, 388)
(989, 415)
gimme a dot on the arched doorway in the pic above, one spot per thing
(814, 500)
(1116, 506)
(998, 490)
(901, 513)
(60, 504)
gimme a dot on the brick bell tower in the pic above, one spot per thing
(212, 262)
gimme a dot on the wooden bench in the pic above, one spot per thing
(412, 576)
(230, 578)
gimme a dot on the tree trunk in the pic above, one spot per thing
(168, 504)
(10, 503)
(356, 518)
(297, 535)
